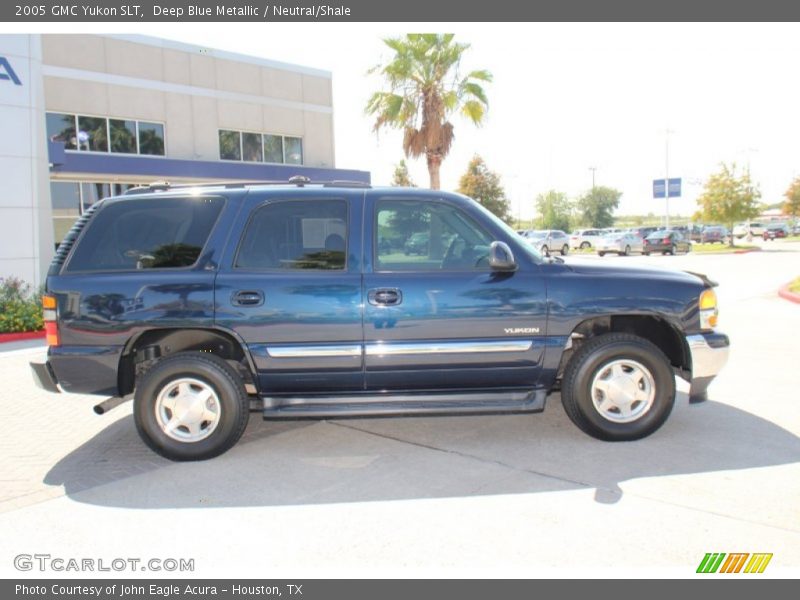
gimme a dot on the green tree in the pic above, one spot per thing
(596, 207)
(729, 197)
(401, 176)
(555, 210)
(425, 91)
(792, 205)
(484, 185)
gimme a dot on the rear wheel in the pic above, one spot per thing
(545, 251)
(564, 250)
(601, 254)
(627, 251)
(585, 245)
(618, 387)
(191, 406)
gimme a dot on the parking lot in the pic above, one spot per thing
(438, 496)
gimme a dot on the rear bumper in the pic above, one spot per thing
(709, 353)
(44, 377)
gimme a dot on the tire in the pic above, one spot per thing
(645, 253)
(601, 254)
(585, 245)
(599, 358)
(673, 250)
(180, 378)
(627, 251)
(564, 250)
(545, 250)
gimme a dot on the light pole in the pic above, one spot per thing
(666, 174)
(593, 170)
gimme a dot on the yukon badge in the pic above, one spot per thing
(518, 330)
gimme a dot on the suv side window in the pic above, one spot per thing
(424, 235)
(147, 233)
(294, 235)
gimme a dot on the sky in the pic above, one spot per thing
(565, 98)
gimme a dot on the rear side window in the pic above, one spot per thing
(296, 235)
(147, 233)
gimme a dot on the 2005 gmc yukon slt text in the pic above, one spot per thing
(301, 301)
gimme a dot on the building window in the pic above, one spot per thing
(61, 128)
(151, 138)
(70, 199)
(100, 134)
(258, 147)
(123, 136)
(230, 145)
(251, 147)
(293, 151)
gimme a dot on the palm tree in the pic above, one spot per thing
(425, 90)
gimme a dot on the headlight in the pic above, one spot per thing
(708, 309)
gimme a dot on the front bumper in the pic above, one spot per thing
(709, 353)
(44, 377)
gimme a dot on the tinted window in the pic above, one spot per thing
(230, 145)
(428, 236)
(92, 134)
(297, 234)
(251, 147)
(61, 128)
(146, 234)
(151, 138)
(123, 136)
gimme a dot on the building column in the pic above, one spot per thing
(26, 226)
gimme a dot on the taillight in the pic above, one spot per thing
(665, 241)
(50, 324)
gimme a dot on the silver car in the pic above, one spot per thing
(622, 243)
(548, 241)
(584, 238)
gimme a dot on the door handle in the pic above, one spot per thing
(247, 298)
(385, 297)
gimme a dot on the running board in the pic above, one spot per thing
(382, 404)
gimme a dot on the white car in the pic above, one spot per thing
(623, 244)
(548, 240)
(584, 238)
(741, 229)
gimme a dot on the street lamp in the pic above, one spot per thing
(593, 170)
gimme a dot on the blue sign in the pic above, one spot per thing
(674, 188)
(7, 72)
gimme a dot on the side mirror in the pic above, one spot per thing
(501, 258)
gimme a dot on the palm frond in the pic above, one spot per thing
(474, 111)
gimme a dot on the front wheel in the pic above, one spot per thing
(545, 251)
(191, 406)
(618, 387)
(601, 254)
(627, 251)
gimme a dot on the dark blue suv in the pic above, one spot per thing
(300, 300)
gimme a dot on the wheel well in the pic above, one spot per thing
(654, 329)
(143, 351)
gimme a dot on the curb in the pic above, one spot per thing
(786, 294)
(746, 250)
(18, 337)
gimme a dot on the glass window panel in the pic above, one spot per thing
(414, 235)
(123, 136)
(229, 145)
(273, 148)
(143, 234)
(61, 128)
(251, 147)
(92, 192)
(295, 235)
(151, 138)
(92, 134)
(294, 150)
(65, 199)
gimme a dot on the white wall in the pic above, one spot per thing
(26, 229)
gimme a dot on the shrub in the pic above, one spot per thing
(20, 307)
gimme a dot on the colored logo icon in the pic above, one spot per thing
(737, 562)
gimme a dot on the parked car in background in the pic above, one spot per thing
(547, 241)
(667, 242)
(714, 234)
(796, 229)
(775, 231)
(622, 243)
(642, 232)
(584, 238)
(695, 233)
(417, 244)
(742, 229)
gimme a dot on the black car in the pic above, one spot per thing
(666, 242)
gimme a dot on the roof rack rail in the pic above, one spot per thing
(298, 180)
